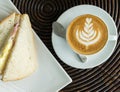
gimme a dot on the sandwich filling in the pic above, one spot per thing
(7, 47)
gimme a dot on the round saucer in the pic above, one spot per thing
(63, 50)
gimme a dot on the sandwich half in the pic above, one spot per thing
(21, 60)
(7, 37)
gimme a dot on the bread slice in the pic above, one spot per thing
(6, 26)
(23, 59)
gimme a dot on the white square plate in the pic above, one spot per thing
(49, 77)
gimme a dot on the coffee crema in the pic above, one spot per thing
(87, 34)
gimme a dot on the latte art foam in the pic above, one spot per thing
(87, 34)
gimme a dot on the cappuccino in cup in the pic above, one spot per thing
(87, 34)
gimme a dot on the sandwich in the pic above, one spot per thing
(18, 58)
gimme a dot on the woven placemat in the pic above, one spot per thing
(105, 77)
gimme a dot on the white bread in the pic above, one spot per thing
(6, 26)
(23, 59)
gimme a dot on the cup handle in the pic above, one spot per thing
(112, 38)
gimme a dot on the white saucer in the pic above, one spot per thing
(65, 53)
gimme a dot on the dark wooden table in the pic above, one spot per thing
(105, 77)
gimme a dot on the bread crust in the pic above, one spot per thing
(7, 18)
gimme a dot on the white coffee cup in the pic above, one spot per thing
(75, 26)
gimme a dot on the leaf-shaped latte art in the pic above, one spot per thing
(88, 35)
